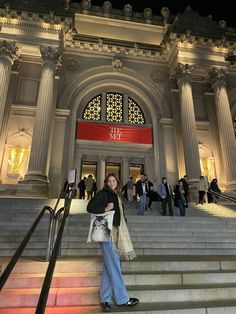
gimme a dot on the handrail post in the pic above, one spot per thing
(51, 266)
(22, 246)
(50, 237)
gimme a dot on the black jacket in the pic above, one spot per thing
(98, 203)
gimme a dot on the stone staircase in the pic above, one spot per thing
(185, 265)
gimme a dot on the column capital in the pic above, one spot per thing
(218, 77)
(8, 50)
(50, 55)
(183, 73)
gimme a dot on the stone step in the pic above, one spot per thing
(143, 264)
(136, 239)
(142, 308)
(137, 245)
(92, 279)
(90, 295)
(148, 251)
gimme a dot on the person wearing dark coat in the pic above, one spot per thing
(215, 188)
(81, 187)
(112, 283)
(180, 199)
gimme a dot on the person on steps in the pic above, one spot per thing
(112, 283)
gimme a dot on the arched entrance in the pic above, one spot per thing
(100, 81)
(113, 136)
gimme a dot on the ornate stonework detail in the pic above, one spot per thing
(183, 71)
(157, 76)
(8, 49)
(86, 4)
(222, 24)
(69, 37)
(147, 13)
(71, 64)
(50, 55)
(16, 65)
(165, 12)
(217, 76)
(67, 4)
(118, 62)
(128, 10)
(107, 7)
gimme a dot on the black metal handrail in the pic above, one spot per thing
(51, 266)
(226, 197)
(22, 246)
(6, 273)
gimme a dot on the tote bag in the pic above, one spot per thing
(100, 229)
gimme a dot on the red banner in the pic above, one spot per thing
(114, 133)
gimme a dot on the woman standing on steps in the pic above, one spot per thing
(112, 284)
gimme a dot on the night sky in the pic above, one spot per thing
(222, 10)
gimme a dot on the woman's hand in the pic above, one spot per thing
(109, 207)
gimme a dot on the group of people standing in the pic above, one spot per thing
(145, 192)
(87, 185)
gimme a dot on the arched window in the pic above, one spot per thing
(92, 110)
(135, 114)
(118, 108)
(114, 107)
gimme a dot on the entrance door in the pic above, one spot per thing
(87, 168)
(135, 171)
(113, 168)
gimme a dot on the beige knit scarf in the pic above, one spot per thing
(121, 237)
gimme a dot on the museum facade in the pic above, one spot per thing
(105, 90)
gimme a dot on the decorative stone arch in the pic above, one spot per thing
(91, 83)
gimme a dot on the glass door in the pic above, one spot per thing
(113, 168)
(87, 168)
(135, 171)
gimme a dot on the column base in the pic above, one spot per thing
(35, 178)
(24, 191)
(230, 186)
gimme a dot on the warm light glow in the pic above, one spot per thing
(45, 25)
(208, 167)
(57, 27)
(4, 20)
(16, 157)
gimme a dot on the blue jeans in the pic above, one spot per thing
(182, 208)
(142, 204)
(112, 284)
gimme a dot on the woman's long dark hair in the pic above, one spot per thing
(118, 188)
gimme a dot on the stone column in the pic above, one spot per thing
(125, 170)
(101, 165)
(37, 170)
(215, 138)
(5, 121)
(225, 126)
(189, 132)
(8, 52)
(178, 132)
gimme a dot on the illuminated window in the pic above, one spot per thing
(93, 109)
(135, 114)
(114, 107)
